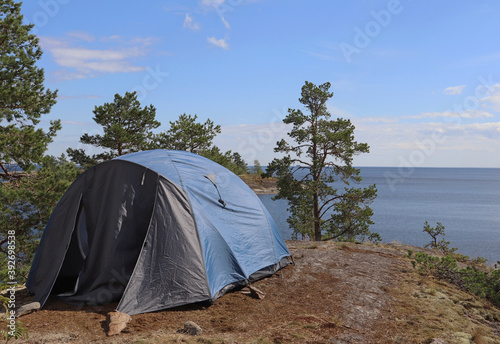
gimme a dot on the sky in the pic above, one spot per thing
(420, 80)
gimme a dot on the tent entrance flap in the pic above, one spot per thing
(74, 258)
(111, 225)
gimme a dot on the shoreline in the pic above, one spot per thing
(259, 185)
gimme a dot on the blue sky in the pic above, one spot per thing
(420, 80)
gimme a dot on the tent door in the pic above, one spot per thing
(67, 280)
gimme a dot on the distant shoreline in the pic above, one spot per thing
(259, 185)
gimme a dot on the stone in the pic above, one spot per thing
(253, 292)
(117, 321)
(438, 341)
(28, 308)
(191, 328)
(462, 337)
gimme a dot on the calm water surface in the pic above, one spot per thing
(465, 200)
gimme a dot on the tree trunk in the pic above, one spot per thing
(317, 227)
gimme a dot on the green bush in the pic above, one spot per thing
(434, 232)
(476, 277)
(483, 282)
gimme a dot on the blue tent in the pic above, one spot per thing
(154, 230)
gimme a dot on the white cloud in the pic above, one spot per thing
(454, 90)
(443, 140)
(381, 119)
(84, 36)
(483, 129)
(221, 43)
(492, 100)
(392, 140)
(452, 114)
(82, 124)
(212, 3)
(336, 111)
(82, 60)
(190, 24)
(437, 144)
(225, 22)
(253, 141)
(216, 4)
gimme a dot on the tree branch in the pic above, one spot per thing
(338, 235)
(329, 207)
(302, 162)
(3, 242)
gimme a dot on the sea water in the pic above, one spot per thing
(465, 200)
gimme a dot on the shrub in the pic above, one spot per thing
(484, 283)
(434, 232)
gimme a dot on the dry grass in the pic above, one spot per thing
(427, 309)
(479, 336)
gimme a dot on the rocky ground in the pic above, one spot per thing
(335, 293)
(260, 185)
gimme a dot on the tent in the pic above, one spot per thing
(154, 230)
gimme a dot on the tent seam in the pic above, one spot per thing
(183, 186)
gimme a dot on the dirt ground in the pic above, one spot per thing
(335, 293)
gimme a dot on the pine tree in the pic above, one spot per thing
(315, 166)
(31, 183)
(232, 161)
(188, 135)
(23, 97)
(257, 168)
(127, 128)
